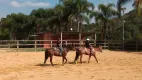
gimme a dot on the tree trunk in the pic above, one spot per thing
(105, 24)
(59, 28)
(77, 26)
(104, 31)
(37, 28)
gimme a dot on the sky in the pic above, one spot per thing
(26, 6)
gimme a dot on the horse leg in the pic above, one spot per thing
(81, 59)
(45, 60)
(76, 57)
(95, 57)
(90, 55)
(89, 58)
(51, 57)
(46, 57)
(66, 60)
(63, 60)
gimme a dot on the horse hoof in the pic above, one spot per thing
(75, 62)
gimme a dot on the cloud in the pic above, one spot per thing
(29, 3)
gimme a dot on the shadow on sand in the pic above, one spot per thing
(42, 65)
(77, 62)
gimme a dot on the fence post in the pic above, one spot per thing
(136, 46)
(95, 43)
(35, 45)
(17, 45)
(123, 45)
(66, 43)
(79, 38)
(104, 44)
(108, 44)
(8, 44)
(51, 43)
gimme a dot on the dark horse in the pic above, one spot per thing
(82, 50)
(50, 52)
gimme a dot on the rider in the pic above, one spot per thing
(59, 46)
(87, 45)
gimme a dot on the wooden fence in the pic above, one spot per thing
(39, 44)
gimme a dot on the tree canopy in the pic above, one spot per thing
(75, 14)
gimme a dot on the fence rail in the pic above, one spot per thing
(106, 44)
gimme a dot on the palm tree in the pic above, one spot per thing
(119, 5)
(137, 4)
(48, 19)
(105, 13)
(78, 10)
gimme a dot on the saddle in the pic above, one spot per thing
(57, 49)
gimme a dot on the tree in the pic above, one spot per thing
(79, 9)
(13, 23)
(119, 5)
(105, 13)
(137, 4)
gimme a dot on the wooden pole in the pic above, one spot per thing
(78, 26)
(136, 46)
(35, 46)
(66, 43)
(123, 44)
(95, 40)
(51, 44)
(61, 39)
(79, 38)
(17, 45)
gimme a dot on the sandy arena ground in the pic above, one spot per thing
(113, 65)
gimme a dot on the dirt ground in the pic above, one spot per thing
(113, 65)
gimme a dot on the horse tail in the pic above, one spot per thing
(46, 56)
(77, 56)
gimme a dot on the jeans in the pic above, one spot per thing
(61, 50)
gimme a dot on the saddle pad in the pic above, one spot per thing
(55, 48)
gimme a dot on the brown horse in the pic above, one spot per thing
(50, 52)
(82, 50)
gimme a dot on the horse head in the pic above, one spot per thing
(99, 49)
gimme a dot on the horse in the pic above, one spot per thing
(50, 52)
(82, 50)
